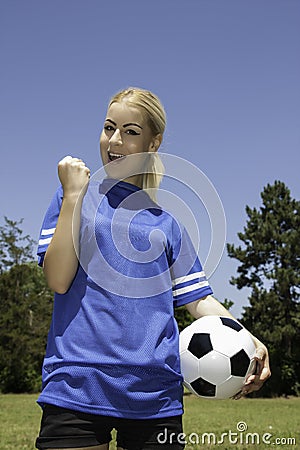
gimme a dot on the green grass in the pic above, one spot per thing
(20, 420)
(277, 417)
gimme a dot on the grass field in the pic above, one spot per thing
(270, 423)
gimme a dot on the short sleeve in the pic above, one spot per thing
(49, 225)
(189, 282)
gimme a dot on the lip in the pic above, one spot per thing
(115, 157)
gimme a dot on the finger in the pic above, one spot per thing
(70, 158)
(260, 354)
(262, 372)
(262, 362)
(238, 395)
(81, 163)
(249, 380)
(252, 388)
(254, 385)
(263, 369)
(265, 374)
(84, 167)
(66, 159)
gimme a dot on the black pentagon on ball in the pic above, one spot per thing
(200, 344)
(239, 364)
(231, 323)
(204, 388)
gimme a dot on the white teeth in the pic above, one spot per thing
(116, 155)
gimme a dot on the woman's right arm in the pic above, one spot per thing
(61, 262)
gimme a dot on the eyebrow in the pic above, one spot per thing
(126, 124)
(134, 124)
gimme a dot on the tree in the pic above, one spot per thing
(25, 312)
(14, 247)
(269, 266)
(183, 317)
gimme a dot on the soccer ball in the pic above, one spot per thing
(216, 356)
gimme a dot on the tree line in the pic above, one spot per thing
(269, 262)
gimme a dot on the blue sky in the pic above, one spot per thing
(227, 72)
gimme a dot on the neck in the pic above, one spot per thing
(137, 180)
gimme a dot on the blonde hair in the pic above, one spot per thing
(155, 114)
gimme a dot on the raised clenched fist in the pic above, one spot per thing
(73, 175)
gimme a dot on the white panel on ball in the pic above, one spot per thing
(230, 388)
(191, 364)
(219, 362)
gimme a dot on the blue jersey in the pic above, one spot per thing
(113, 342)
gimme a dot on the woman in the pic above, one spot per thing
(118, 264)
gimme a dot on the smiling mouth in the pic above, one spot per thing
(115, 156)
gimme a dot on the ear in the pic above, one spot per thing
(155, 143)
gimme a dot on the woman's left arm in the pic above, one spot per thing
(208, 306)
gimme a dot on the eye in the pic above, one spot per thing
(132, 132)
(108, 128)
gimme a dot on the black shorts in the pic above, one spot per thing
(65, 428)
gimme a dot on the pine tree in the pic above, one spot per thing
(183, 317)
(15, 248)
(25, 312)
(270, 267)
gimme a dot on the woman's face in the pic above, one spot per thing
(125, 133)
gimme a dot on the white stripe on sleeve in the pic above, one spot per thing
(47, 231)
(190, 288)
(45, 241)
(191, 276)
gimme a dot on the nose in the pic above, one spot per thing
(116, 138)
